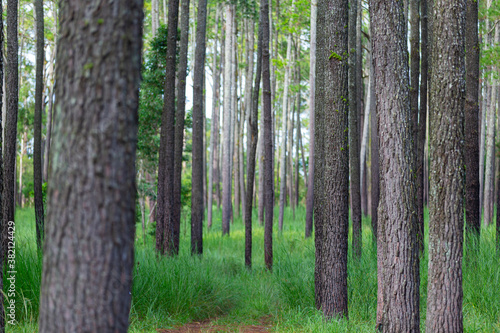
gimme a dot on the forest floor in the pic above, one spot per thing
(216, 293)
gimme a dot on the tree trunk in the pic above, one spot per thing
(364, 138)
(414, 93)
(375, 158)
(197, 168)
(10, 132)
(446, 133)
(261, 157)
(472, 209)
(284, 131)
(37, 152)
(88, 262)
(331, 204)
(268, 137)
(359, 105)
(214, 131)
(155, 16)
(226, 163)
(253, 133)
(422, 175)
(165, 219)
(354, 135)
(397, 250)
(2, 107)
(312, 84)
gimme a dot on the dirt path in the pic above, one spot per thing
(210, 326)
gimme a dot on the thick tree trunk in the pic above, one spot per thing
(268, 137)
(197, 209)
(446, 133)
(165, 219)
(226, 155)
(312, 85)
(214, 131)
(37, 152)
(89, 246)
(331, 204)
(397, 248)
(472, 209)
(355, 194)
(253, 129)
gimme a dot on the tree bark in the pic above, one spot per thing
(312, 85)
(179, 125)
(446, 195)
(165, 219)
(214, 131)
(10, 131)
(331, 204)
(472, 209)
(354, 135)
(2, 107)
(226, 163)
(268, 138)
(37, 151)
(375, 158)
(414, 93)
(155, 16)
(421, 167)
(197, 209)
(90, 231)
(253, 128)
(397, 248)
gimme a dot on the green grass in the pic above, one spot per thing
(173, 291)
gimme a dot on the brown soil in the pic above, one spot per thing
(209, 326)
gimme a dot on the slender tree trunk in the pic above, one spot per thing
(197, 168)
(354, 135)
(414, 93)
(37, 152)
(359, 105)
(88, 262)
(165, 12)
(364, 138)
(165, 219)
(268, 137)
(283, 163)
(226, 163)
(253, 135)
(155, 16)
(422, 127)
(397, 248)
(297, 144)
(375, 158)
(312, 84)
(446, 120)
(214, 131)
(261, 169)
(10, 132)
(472, 209)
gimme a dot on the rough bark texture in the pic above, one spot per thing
(414, 89)
(89, 247)
(446, 144)
(331, 203)
(472, 209)
(37, 151)
(226, 155)
(253, 133)
(197, 207)
(354, 135)
(397, 250)
(421, 166)
(312, 94)
(165, 223)
(10, 131)
(268, 138)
